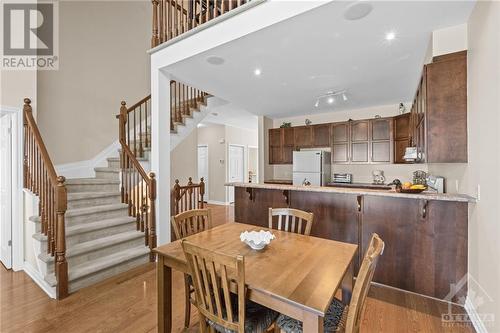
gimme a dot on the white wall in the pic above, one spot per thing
(184, 160)
(449, 40)
(361, 173)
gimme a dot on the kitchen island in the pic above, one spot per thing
(425, 234)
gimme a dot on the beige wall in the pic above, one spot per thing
(484, 156)
(211, 136)
(102, 61)
(361, 173)
(184, 160)
(15, 86)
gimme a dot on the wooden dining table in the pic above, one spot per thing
(295, 275)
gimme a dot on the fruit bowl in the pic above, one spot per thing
(410, 190)
(257, 240)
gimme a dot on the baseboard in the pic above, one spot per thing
(39, 280)
(85, 169)
(474, 317)
(215, 202)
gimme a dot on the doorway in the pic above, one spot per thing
(6, 193)
(236, 157)
(203, 168)
(253, 164)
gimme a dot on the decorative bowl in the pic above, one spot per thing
(410, 190)
(257, 240)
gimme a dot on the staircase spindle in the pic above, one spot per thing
(155, 39)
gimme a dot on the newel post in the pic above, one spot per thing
(61, 265)
(122, 121)
(202, 192)
(26, 109)
(154, 39)
(152, 216)
(177, 197)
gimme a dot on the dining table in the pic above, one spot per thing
(296, 275)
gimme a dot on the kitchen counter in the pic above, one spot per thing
(279, 181)
(359, 191)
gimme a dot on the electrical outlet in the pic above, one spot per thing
(478, 192)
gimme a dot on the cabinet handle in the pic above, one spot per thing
(359, 198)
(424, 209)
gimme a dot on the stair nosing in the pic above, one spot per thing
(73, 196)
(95, 209)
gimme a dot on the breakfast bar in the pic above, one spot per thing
(425, 233)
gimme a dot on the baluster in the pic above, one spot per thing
(172, 108)
(239, 3)
(176, 196)
(128, 129)
(223, 6)
(192, 14)
(202, 191)
(177, 102)
(146, 208)
(160, 21)
(135, 134)
(182, 16)
(207, 11)
(61, 266)
(146, 139)
(214, 10)
(141, 148)
(176, 19)
(152, 215)
(154, 38)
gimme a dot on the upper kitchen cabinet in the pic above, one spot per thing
(303, 136)
(340, 142)
(288, 145)
(381, 140)
(321, 135)
(446, 109)
(401, 136)
(281, 145)
(359, 148)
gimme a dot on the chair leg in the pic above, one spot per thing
(187, 300)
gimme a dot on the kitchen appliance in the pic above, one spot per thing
(378, 177)
(311, 167)
(419, 177)
(411, 154)
(342, 178)
(436, 183)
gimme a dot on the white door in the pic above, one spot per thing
(6, 190)
(236, 168)
(203, 167)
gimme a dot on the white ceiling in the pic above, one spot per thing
(226, 113)
(310, 54)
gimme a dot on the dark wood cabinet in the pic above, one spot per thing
(381, 140)
(340, 142)
(288, 145)
(321, 135)
(359, 145)
(401, 136)
(281, 145)
(425, 243)
(303, 136)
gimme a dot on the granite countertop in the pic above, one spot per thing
(359, 191)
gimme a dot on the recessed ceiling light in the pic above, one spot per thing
(358, 10)
(257, 71)
(214, 60)
(317, 103)
(344, 97)
(390, 35)
(330, 100)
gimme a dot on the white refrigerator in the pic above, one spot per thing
(311, 166)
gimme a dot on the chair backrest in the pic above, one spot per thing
(362, 285)
(292, 220)
(213, 274)
(191, 222)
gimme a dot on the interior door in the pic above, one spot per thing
(236, 168)
(203, 168)
(6, 191)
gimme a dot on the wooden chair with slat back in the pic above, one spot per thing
(215, 275)
(340, 318)
(185, 224)
(292, 220)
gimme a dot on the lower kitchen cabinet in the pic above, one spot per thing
(425, 243)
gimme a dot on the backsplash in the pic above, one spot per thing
(362, 173)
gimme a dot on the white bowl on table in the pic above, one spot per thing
(257, 240)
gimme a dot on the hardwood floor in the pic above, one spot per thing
(127, 303)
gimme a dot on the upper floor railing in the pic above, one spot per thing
(172, 18)
(40, 178)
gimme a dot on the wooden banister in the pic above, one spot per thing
(172, 18)
(188, 197)
(183, 99)
(40, 178)
(138, 188)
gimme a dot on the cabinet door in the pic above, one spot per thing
(402, 126)
(321, 135)
(275, 147)
(380, 140)
(359, 134)
(400, 150)
(359, 131)
(340, 143)
(303, 136)
(288, 146)
(340, 133)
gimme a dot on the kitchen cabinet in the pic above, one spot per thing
(281, 145)
(425, 243)
(359, 141)
(303, 136)
(381, 140)
(340, 142)
(321, 135)
(288, 145)
(401, 136)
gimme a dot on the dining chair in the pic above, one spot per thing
(341, 318)
(292, 220)
(185, 224)
(220, 293)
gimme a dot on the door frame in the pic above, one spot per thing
(206, 181)
(17, 187)
(245, 166)
(248, 160)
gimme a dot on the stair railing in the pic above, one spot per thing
(138, 188)
(187, 197)
(39, 176)
(183, 100)
(172, 18)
